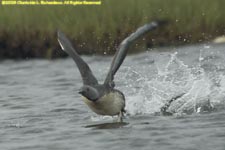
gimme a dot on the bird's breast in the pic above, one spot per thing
(109, 104)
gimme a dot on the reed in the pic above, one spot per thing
(99, 29)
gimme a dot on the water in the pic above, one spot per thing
(41, 109)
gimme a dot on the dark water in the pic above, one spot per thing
(41, 109)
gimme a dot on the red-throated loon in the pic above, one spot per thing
(104, 99)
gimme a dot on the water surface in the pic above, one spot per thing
(41, 109)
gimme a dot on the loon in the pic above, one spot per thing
(103, 98)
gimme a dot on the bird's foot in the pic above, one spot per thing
(120, 117)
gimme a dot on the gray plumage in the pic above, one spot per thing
(86, 73)
(104, 99)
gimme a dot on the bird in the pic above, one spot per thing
(104, 98)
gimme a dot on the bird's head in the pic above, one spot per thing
(89, 92)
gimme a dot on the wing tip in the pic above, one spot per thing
(59, 33)
(161, 22)
(60, 36)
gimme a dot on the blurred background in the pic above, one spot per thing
(30, 31)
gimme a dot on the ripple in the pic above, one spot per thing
(41, 110)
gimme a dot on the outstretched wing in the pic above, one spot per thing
(86, 73)
(122, 50)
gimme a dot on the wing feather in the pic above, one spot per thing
(123, 47)
(86, 73)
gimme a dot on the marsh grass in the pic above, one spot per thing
(99, 29)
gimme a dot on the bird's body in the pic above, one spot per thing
(110, 104)
(103, 99)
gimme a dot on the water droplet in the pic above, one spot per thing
(201, 58)
(206, 46)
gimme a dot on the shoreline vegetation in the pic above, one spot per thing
(30, 31)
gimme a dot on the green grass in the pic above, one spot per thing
(98, 29)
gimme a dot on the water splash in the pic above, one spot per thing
(174, 78)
